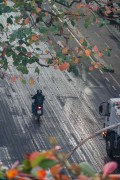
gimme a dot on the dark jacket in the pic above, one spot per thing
(39, 98)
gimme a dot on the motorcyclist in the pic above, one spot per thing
(38, 100)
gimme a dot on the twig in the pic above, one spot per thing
(90, 137)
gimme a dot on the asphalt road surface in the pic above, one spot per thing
(70, 111)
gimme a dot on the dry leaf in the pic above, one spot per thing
(65, 50)
(26, 21)
(35, 37)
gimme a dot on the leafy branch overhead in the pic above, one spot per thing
(53, 164)
(31, 29)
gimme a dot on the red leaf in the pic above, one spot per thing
(13, 79)
(64, 66)
(95, 49)
(109, 168)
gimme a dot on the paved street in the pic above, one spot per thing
(70, 111)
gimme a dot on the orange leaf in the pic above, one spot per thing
(114, 176)
(26, 21)
(38, 10)
(11, 173)
(46, 13)
(65, 50)
(64, 177)
(87, 52)
(76, 61)
(41, 174)
(55, 169)
(79, 5)
(64, 66)
(35, 37)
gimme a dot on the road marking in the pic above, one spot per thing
(97, 34)
(101, 72)
(106, 44)
(115, 80)
(114, 87)
(107, 79)
(116, 56)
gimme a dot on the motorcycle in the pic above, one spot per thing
(38, 112)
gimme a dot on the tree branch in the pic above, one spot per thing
(43, 65)
(90, 137)
(67, 4)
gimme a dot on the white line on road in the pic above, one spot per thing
(106, 44)
(107, 79)
(116, 56)
(114, 87)
(101, 72)
(115, 80)
(97, 34)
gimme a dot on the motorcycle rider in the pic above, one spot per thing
(38, 101)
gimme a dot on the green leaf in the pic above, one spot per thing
(23, 49)
(86, 23)
(9, 52)
(37, 70)
(72, 22)
(31, 60)
(1, 26)
(101, 23)
(7, 9)
(9, 20)
(50, 61)
(23, 81)
(23, 69)
(24, 61)
(87, 169)
(1, 1)
(47, 163)
(65, 24)
(43, 30)
(85, 43)
(15, 62)
(26, 165)
(37, 161)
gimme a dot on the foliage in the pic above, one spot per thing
(50, 165)
(37, 21)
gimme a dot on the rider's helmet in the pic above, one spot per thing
(39, 91)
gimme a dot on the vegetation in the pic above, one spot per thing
(27, 26)
(48, 165)
(54, 165)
